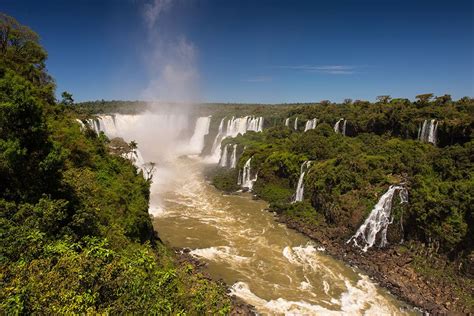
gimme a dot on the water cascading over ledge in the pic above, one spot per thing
(196, 143)
(299, 195)
(428, 132)
(233, 127)
(228, 160)
(379, 219)
(311, 124)
(223, 161)
(245, 179)
(340, 129)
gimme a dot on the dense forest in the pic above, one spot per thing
(74, 227)
(350, 157)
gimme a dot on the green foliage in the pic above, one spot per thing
(225, 180)
(75, 234)
(350, 173)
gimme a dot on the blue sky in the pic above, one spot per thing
(254, 51)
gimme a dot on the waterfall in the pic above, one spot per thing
(300, 187)
(169, 133)
(379, 219)
(310, 124)
(196, 143)
(224, 156)
(239, 179)
(296, 124)
(287, 122)
(337, 126)
(241, 125)
(233, 159)
(255, 124)
(215, 151)
(235, 126)
(81, 123)
(94, 124)
(428, 132)
(247, 181)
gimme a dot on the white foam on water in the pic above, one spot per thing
(326, 287)
(276, 306)
(220, 253)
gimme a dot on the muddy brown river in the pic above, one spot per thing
(275, 269)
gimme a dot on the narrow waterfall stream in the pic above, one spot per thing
(276, 269)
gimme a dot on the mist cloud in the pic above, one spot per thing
(171, 62)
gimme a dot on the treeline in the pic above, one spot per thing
(75, 234)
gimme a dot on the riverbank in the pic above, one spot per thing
(184, 258)
(413, 273)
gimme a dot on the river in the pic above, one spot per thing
(275, 269)
(269, 266)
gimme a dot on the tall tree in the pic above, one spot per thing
(383, 99)
(424, 99)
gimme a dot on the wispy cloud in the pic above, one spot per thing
(258, 79)
(326, 69)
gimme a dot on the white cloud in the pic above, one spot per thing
(326, 69)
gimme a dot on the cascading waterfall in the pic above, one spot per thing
(235, 126)
(81, 123)
(217, 140)
(428, 132)
(311, 124)
(300, 187)
(224, 157)
(233, 159)
(296, 124)
(94, 124)
(379, 219)
(144, 128)
(241, 125)
(196, 143)
(337, 126)
(287, 122)
(247, 181)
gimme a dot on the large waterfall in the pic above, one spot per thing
(241, 125)
(296, 124)
(246, 181)
(287, 122)
(311, 124)
(338, 128)
(300, 187)
(234, 127)
(196, 143)
(428, 132)
(379, 219)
